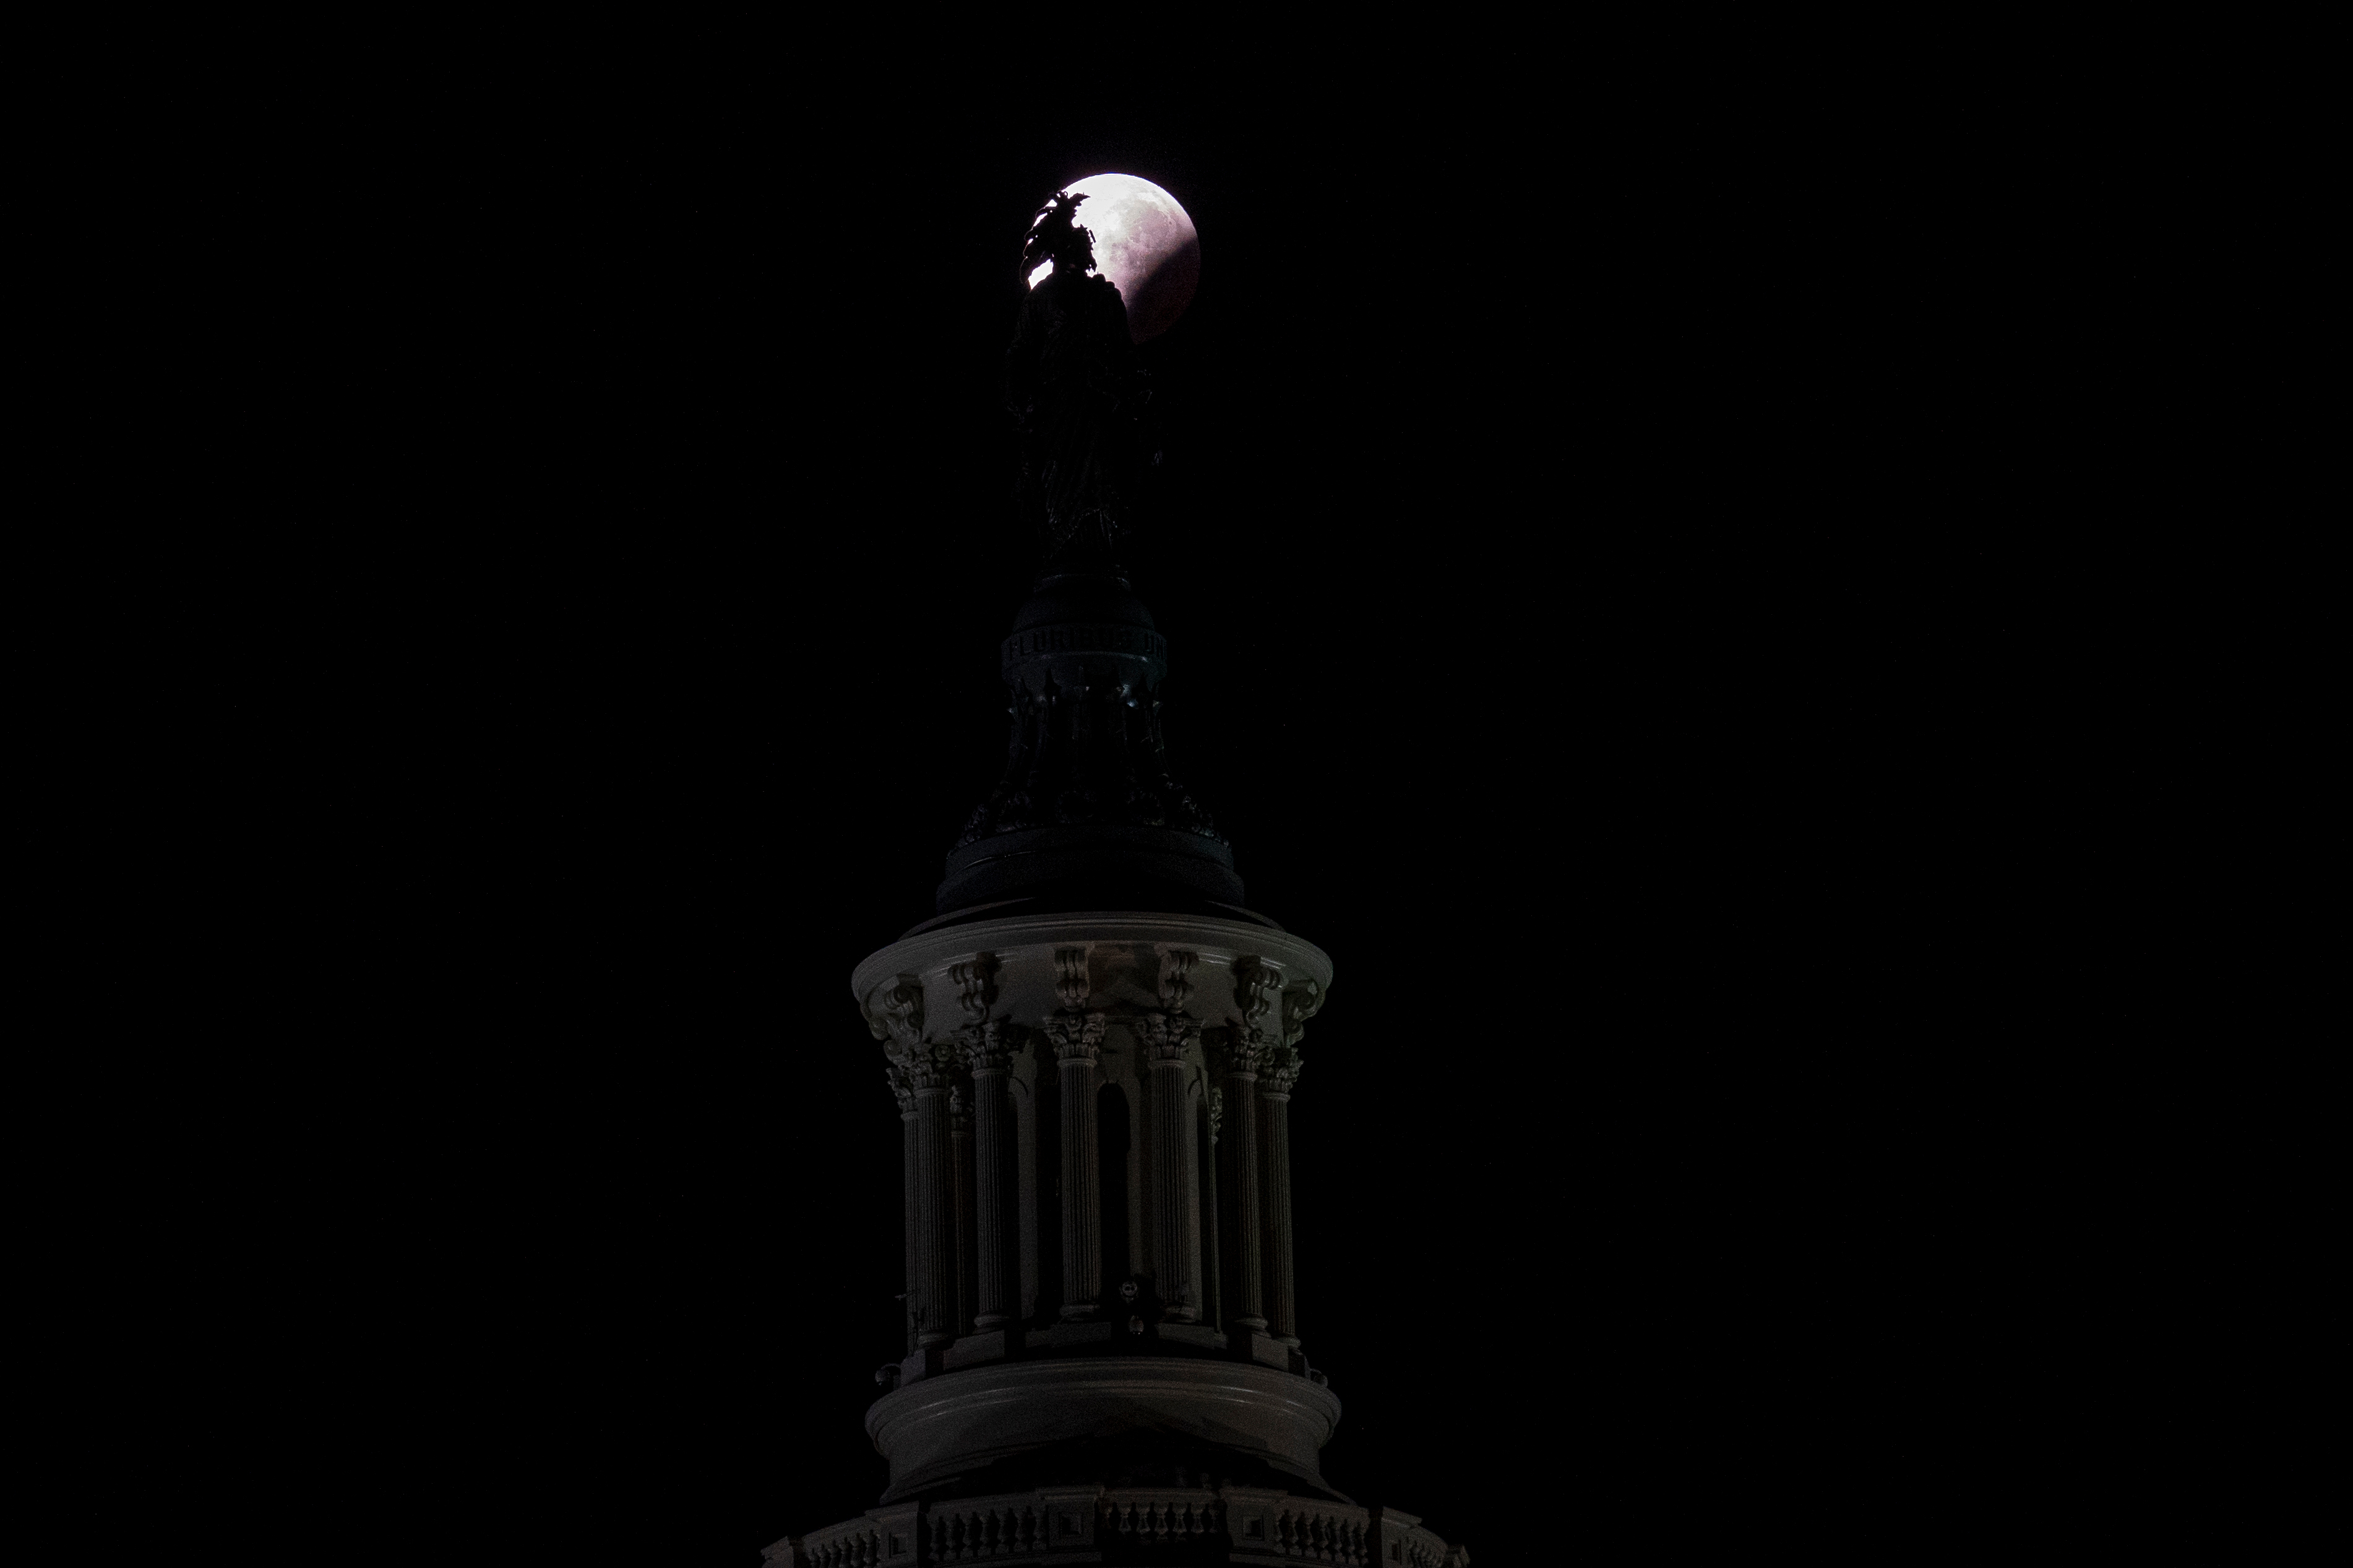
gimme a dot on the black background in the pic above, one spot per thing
(1683, 608)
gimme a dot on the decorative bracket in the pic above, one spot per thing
(1301, 1002)
(1071, 986)
(1176, 982)
(976, 983)
(900, 1001)
(1257, 988)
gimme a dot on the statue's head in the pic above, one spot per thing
(1056, 235)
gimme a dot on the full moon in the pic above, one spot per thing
(1144, 243)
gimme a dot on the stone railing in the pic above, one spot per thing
(1405, 1544)
(1276, 1527)
(1160, 1513)
(857, 1544)
(1074, 1525)
(1021, 1527)
(885, 1538)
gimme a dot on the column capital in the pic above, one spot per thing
(1166, 1035)
(988, 1046)
(1240, 1050)
(1076, 1037)
(925, 1065)
(902, 1086)
(1281, 1070)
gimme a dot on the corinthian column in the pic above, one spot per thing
(903, 1089)
(995, 1178)
(1212, 1303)
(1244, 1308)
(1078, 1046)
(967, 1240)
(1175, 1217)
(935, 1228)
(920, 1071)
(1283, 1069)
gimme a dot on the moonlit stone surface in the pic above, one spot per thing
(1144, 243)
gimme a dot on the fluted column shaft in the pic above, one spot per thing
(912, 1185)
(1078, 1044)
(935, 1230)
(1274, 1159)
(1245, 1306)
(967, 1239)
(996, 1181)
(1176, 1235)
(1213, 1304)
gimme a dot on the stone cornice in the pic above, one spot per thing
(1216, 943)
(942, 1426)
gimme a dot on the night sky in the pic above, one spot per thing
(1637, 563)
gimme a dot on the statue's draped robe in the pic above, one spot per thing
(1071, 380)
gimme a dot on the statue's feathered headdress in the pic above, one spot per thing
(1056, 235)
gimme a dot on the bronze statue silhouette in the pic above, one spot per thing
(1077, 394)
